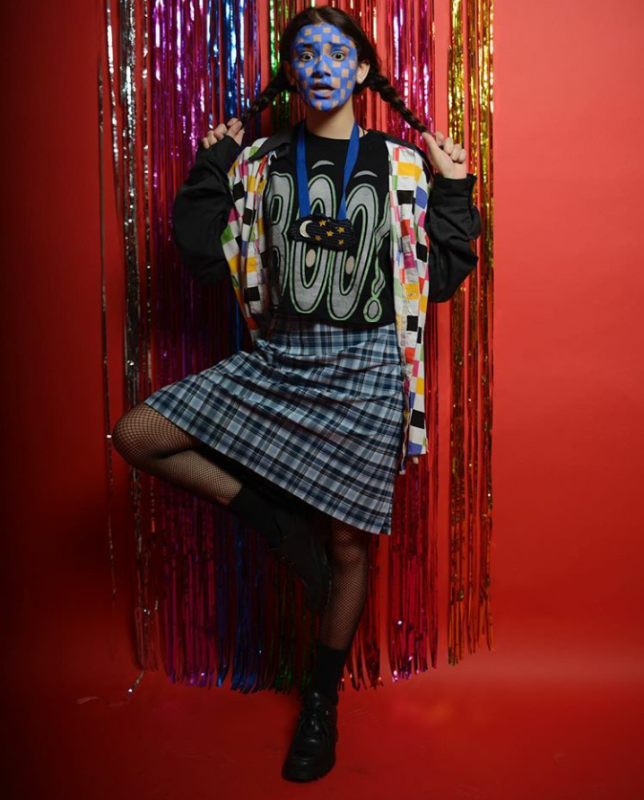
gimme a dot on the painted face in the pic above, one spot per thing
(323, 54)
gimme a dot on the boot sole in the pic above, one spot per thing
(301, 774)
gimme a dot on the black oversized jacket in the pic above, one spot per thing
(203, 203)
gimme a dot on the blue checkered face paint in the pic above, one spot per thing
(323, 54)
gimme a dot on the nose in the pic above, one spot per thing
(321, 67)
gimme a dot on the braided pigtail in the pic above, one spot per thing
(379, 83)
(276, 86)
(375, 80)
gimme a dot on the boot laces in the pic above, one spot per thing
(314, 721)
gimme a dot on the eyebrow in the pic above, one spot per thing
(303, 45)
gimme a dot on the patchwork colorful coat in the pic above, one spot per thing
(244, 244)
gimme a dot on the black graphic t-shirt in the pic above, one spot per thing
(354, 285)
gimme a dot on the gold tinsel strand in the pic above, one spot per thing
(470, 493)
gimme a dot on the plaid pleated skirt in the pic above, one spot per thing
(316, 409)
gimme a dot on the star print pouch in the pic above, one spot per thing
(319, 230)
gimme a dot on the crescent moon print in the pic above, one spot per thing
(323, 231)
(303, 230)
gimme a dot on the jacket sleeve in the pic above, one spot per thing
(201, 209)
(451, 222)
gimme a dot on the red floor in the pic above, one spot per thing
(498, 726)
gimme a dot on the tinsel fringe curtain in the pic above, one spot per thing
(208, 600)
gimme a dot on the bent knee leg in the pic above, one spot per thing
(349, 545)
(143, 434)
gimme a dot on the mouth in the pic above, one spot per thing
(321, 87)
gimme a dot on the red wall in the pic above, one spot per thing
(556, 709)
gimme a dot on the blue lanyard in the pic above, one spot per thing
(302, 176)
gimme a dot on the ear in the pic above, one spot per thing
(362, 71)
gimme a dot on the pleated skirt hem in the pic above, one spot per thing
(315, 409)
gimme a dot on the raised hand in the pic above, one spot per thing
(447, 158)
(231, 128)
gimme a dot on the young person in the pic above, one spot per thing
(334, 238)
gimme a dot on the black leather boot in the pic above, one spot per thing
(312, 751)
(296, 536)
(303, 549)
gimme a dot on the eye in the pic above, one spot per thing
(340, 53)
(304, 54)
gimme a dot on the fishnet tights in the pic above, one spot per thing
(148, 440)
(349, 552)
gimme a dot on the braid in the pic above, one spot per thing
(276, 86)
(379, 83)
(375, 81)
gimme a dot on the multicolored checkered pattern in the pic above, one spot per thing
(244, 244)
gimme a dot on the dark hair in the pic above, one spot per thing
(375, 80)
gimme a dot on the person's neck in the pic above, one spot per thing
(335, 124)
